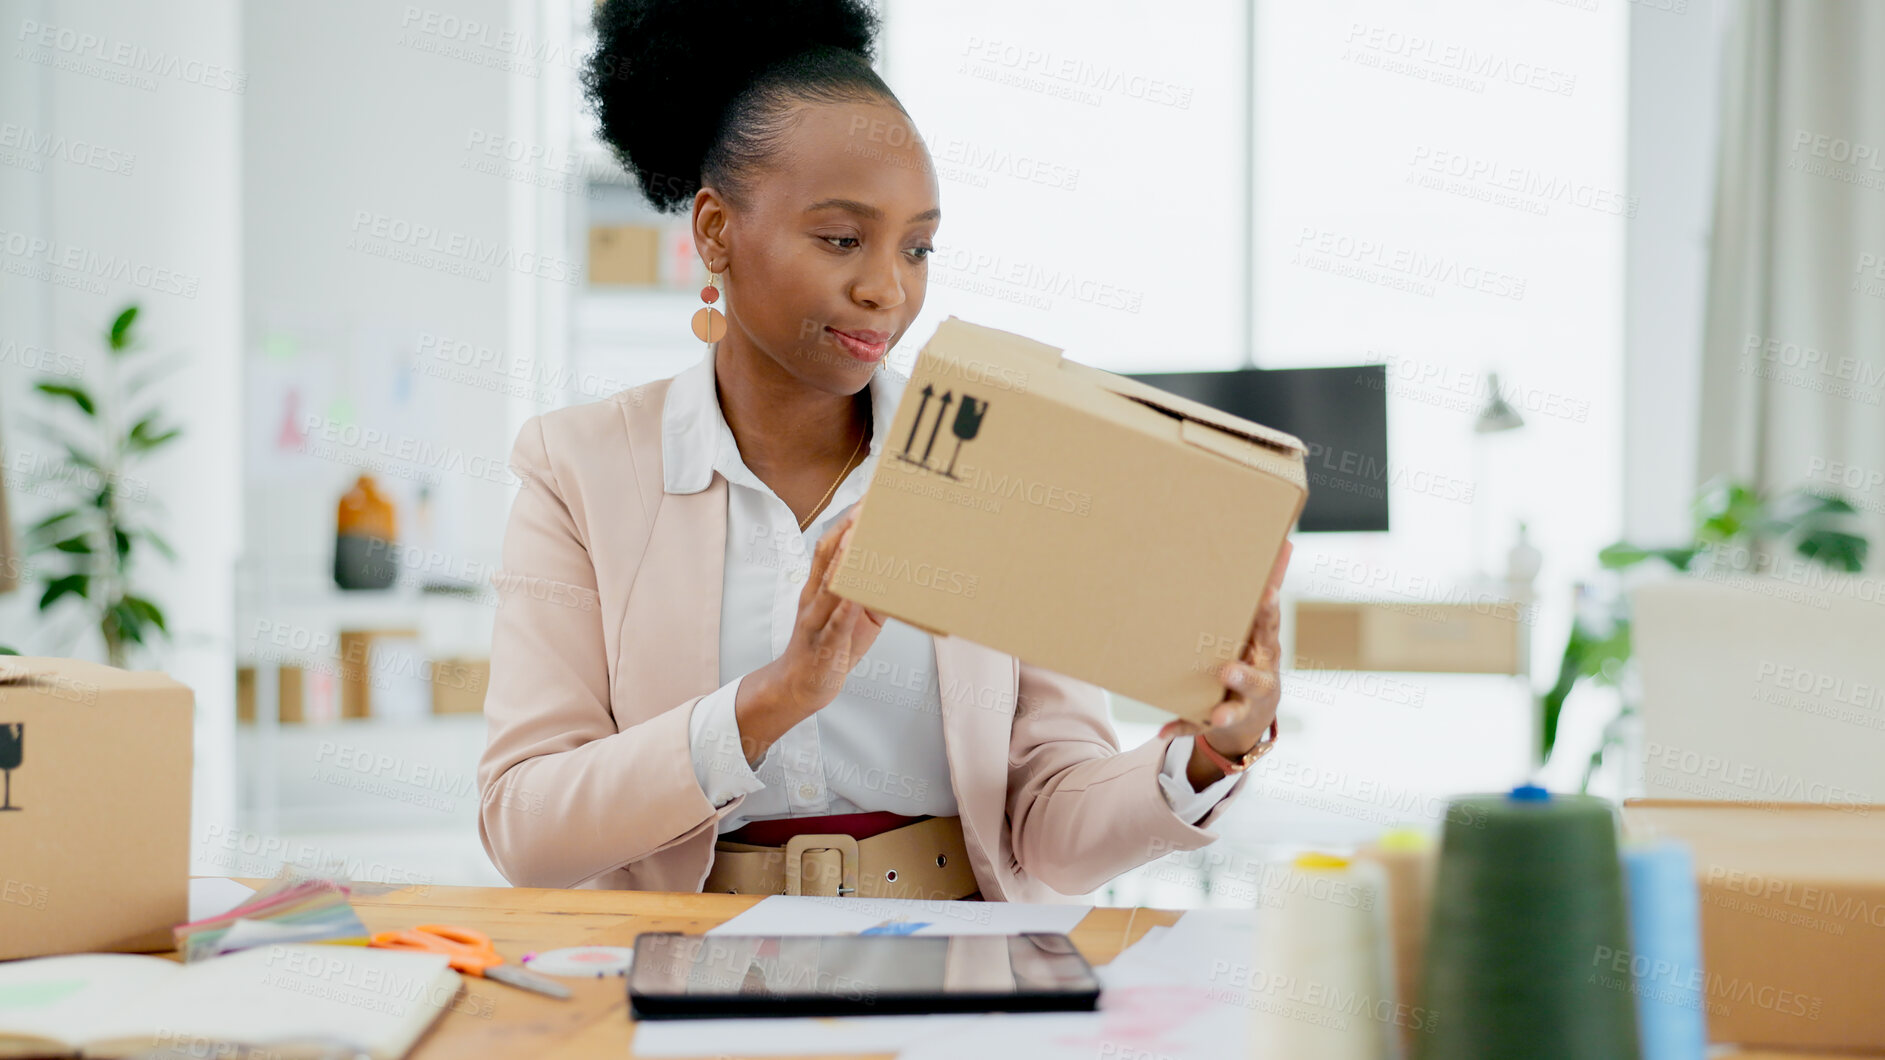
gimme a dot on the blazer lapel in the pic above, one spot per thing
(978, 688)
(669, 638)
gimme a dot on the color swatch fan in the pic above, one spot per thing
(293, 909)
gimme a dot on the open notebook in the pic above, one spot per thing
(294, 1000)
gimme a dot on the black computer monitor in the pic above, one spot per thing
(1341, 414)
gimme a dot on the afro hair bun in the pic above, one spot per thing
(665, 74)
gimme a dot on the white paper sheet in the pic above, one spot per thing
(782, 914)
(1175, 995)
(789, 1037)
(213, 895)
(1194, 950)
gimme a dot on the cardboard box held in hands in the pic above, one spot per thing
(1083, 522)
(95, 823)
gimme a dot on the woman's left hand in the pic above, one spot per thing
(1253, 687)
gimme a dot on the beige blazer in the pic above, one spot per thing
(608, 632)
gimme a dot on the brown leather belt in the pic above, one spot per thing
(927, 860)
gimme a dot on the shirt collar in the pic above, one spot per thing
(696, 441)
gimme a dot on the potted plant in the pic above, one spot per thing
(100, 526)
(1735, 529)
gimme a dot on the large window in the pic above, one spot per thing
(1090, 163)
(1440, 187)
(1437, 187)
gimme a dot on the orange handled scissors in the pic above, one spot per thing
(470, 952)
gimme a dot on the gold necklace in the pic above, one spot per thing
(834, 484)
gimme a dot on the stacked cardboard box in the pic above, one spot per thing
(1793, 917)
(95, 822)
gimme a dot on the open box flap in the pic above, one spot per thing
(1245, 451)
(1229, 436)
(16, 669)
(956, 337)
(1187, 409)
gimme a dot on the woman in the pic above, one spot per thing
(677, 701)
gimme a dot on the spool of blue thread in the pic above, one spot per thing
(1666, 945)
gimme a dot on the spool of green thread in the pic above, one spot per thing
(1528, 911)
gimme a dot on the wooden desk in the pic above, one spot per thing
(491, 1020)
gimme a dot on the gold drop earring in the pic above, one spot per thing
(709, 323)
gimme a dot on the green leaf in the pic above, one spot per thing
(1590, 770)
(77, 394)
(146, 611)
(1606, 655)
(157, 542)
(1725, 511)
(1596, 655)
(1836, 549)
(1812, 503)
(4, 650)
(144, 435)
(70, 585)
(1551, 704)
(51, 523)
(123, 542)
(121, 329)
(1679, 558)
(75, 544)
(1622, 555)
(1807, 510)
(130, 624)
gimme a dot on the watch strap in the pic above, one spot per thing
(1248, 759)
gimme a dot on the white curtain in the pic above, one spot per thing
(1793, 374)
(10, 559)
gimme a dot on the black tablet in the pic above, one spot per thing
(679, 976)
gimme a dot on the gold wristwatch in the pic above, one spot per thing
(1249, 757)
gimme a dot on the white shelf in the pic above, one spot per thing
(366, 772)
(640, 315)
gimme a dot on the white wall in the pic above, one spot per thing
(156, 88)
(244, 168)
(358, 131)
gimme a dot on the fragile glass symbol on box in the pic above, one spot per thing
(12, 752)
(968, 423)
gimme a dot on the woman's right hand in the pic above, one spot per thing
(829, 636)
(831, 633)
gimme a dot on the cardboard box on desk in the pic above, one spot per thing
(1793, 917)
(1083, 522)
(95, 851)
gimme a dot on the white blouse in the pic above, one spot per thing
(879, 744)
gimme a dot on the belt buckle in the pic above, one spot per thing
(798, 845)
